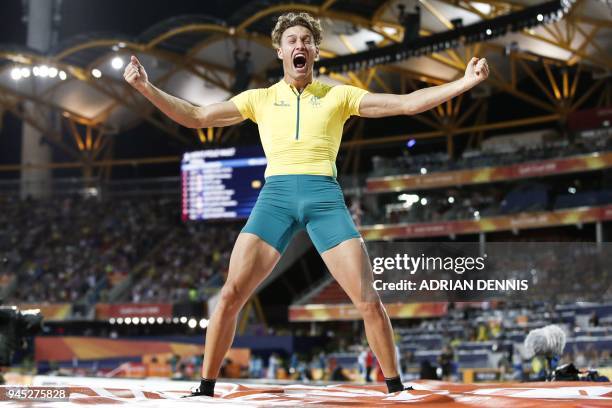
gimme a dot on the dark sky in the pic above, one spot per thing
(12, 30)
(129, 17)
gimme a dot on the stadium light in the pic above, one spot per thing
(62, 75)
(117, 63)
(128, 320)
(192, 323)
(203, 323)
(477, 214)
(96, 73)
(409, 198)
(120, 320)
(451, 199)
(175, 320)
(183, 319)
(112, 320)
(540, 17)
(571, 190)
(16, 74)
(151, 320)
(411, 143)
(423, 170)
(43, 71)
(423, 201)
(136, 320)
(160, 320)
(25, 72)
(52, 72)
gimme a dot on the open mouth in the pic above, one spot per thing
(299, 61)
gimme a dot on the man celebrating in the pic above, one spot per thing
(300, 122)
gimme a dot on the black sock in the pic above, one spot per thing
(394, 384)
(207, 387)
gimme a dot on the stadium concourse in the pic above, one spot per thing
(117, 225)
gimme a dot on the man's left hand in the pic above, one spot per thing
(477, 71)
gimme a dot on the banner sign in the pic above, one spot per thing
(107, 310)
(325, 313)
(581, 215)
(50, 312)
(587, 162)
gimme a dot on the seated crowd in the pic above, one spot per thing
(75, 249)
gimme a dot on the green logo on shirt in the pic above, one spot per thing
(281, 103)
(315, 101)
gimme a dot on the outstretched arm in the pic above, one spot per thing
(377, 105)
(179, 110)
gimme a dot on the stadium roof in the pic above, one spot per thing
(191, 56)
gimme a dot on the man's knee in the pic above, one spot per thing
(231, 298)
(371, 310)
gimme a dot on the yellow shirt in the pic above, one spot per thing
(300, 133)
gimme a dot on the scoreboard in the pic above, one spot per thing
(221, 183)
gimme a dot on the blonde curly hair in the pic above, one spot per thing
(296, 19)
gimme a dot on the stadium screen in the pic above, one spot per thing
(221, 183)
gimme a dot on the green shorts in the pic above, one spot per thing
(288, 203)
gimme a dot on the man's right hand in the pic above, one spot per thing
(182, 112)
(136, 75)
